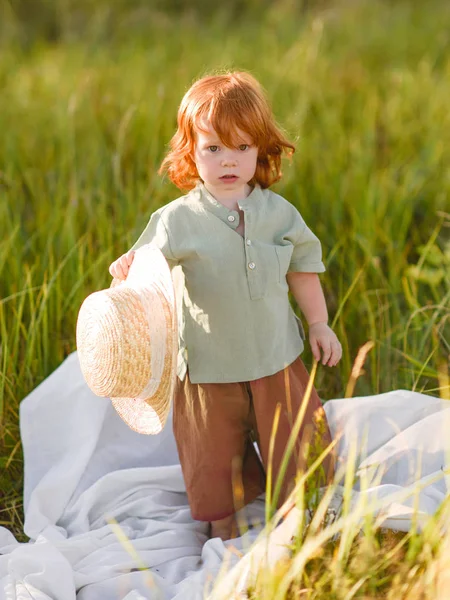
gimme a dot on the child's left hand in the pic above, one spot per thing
(322, 336)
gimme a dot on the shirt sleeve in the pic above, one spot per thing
(307, 253)
(156, 233)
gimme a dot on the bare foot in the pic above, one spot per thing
(225, 529)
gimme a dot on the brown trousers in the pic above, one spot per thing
(215, 425)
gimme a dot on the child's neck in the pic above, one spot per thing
(230, 198)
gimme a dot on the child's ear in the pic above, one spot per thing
(191, 157)
(193, 166)
(192, 153)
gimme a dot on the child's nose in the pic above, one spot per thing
(229, 161)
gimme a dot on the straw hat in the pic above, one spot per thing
(127, 342)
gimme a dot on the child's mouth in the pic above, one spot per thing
(229, 177)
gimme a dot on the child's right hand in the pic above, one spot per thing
(120, 267)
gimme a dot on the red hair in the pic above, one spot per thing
(232, 101)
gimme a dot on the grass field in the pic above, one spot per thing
(87, 106)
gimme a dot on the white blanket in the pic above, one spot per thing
(101, 501)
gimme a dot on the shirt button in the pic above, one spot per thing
(251, 265)
(249, 242)
(231, 219)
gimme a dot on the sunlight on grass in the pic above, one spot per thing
(88, 106)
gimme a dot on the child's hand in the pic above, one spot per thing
(322, 336)
(120, 267)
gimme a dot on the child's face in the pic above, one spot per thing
(225, 171)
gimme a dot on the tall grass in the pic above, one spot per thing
(88, 104)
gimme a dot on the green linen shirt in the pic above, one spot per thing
(235, 319)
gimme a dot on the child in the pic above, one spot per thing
(241, 248)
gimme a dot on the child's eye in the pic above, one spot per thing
(243, 147)
(213, 148)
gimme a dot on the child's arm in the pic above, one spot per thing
(308, 294)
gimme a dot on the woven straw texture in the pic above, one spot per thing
(127, 343)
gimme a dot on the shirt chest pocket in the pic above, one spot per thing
(284, 256)
(267, 268)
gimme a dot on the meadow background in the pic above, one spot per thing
(89, 91)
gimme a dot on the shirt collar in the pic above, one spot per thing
(220, 209)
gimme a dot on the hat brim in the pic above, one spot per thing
(149, 415)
